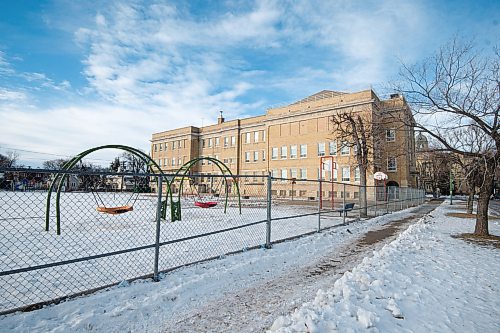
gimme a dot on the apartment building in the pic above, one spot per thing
(288, 141)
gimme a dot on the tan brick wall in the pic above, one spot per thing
(246, 145)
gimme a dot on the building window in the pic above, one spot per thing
(226, 141)
(247, 156)
(293, 173)
(390, 134)
(233, 140)
(179, 144)
(255, 156)
(173, 161)
(166, 146)
(165, 162)
(357, 175)
(303, 150)
(321, 149)
(247, 137)
(346, 174)
(293, 151)
(203, 143)
(161, 146)
(159, 162)
(263, 155)
(303, 173)
(264, 136)
(255, 136)
(333, 148)
(210, 142)
(179, 161)
(274, 153)
(345, 149)
(173, 145)
(284, 153)
(391, 164)
(335, 175)
(284, 173)
(156, 147)
(217, 142)
(274, 173)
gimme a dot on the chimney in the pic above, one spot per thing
(220, 120)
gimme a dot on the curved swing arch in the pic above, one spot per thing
(71, 163)
(186, 167)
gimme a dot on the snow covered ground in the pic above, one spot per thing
(423, 281)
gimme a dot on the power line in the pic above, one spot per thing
(43, 153)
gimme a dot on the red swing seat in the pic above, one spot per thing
(207, 204)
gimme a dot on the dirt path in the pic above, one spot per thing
(254, 309)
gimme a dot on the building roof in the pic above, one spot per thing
(320, 95)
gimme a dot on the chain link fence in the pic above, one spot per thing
(96, 249)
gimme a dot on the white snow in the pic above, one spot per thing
(423, 281)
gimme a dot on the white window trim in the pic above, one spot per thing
(274, 157)
(390, 138)
(342, 171)
(395, 164)
(305, 155)
(285, 149)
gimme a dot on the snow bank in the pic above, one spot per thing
(425, 280)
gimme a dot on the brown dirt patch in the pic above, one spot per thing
(490, 241)
(470, 216)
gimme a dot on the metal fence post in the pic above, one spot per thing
(411, 198)
(319, 204)
(268, 224)
(343, 203)
(158, 219)
(401, 197)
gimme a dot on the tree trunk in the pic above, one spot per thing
(362, 192)
(484, 201)
(470, 199)
(470, 202)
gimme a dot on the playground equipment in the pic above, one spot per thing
(175, 206)
(61, 177)
(183, 173)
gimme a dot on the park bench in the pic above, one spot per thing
(347, 207)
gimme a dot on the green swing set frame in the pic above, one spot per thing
(175, 206)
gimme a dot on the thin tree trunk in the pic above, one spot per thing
(470, 202)
(484, 201)
(363, 202)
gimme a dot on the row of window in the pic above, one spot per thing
(215, 142)
(254, 156)
(282, 151)
(260, 136)
(302, 173)
(391, 165)
(177, 144)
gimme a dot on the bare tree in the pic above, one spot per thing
(357, 129)
(9, 159)
(455, 98)
(472, 171)
(56, 164)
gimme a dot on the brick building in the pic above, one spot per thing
(288, 141)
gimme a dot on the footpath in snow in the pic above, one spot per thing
(424, 281)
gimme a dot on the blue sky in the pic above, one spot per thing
(76, 74)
